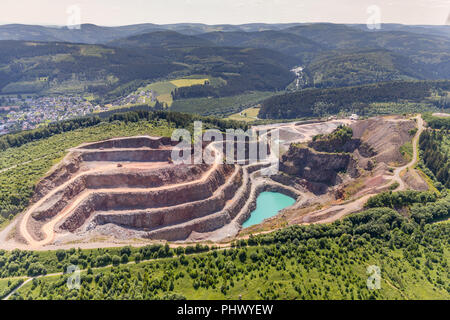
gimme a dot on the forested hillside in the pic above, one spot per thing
(254, 57)
(319, 102)
(94, 34)
(32, 67)
(161, 39)
(287, 43)
(430, 51)
(435, 146)
(243, 70)
(355, 67)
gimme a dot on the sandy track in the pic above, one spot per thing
(415, 157)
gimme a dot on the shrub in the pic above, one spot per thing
(115, 260)
(36, 269)
(242, 256)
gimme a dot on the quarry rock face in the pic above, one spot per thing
(384, 137)
(57, 176)
(335, 145)
(131, 183)
(315, 166)
(149, 209)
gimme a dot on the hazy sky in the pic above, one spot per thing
(122, 12)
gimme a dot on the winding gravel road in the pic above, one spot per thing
(336, 212)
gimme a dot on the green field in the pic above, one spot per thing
(248, 115)
(163, 89)
(24, 86)
(179, 83)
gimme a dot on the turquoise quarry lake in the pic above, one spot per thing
(268, 204)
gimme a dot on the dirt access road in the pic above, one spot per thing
(415, 157)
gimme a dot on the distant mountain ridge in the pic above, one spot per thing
(161, 39)
(287, 43)
(94, 34)
(247, 57)
(58, 67)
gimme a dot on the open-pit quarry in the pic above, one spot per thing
(129, 191)
(129, 188)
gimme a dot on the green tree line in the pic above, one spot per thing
(318, 102)
(181, 120)
(433, 155)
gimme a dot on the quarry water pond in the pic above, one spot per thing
(268, 204)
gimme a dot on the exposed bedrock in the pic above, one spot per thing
(131, 183)
(182, 231)
(157, 218)
(315, 166)
(145, 179)
(210, 222)
(73, 162)
(113, 179)
(349, 146)
(58, 175)
(317, 188)
(125, 179)
(57, 202)
(245, 152)
(384, 137)
(159, 198)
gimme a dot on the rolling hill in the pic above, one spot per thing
(425, 48)
(93, 34)
(87, 33)
(243, 68)
(354, 67)
(289, 44)
(36, 67)
(356, 99)
(161, 39)
(55, 67)
(337, 36)
(436, 30)
(251, 57)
